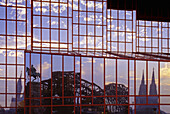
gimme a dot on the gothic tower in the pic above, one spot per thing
(142, 89)
(153, 90)
(19, 86)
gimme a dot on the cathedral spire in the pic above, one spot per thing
(153, 77)
(143, 79)
(142, 88)
(153, 90)
(19, 86)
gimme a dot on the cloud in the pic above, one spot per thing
(1, 72)
(165, 71)
(89, 60)
(54, 23)
(144, 39)
(21, 12)
(21, 42)
(13, 54)
(45, 66)
(44, 10)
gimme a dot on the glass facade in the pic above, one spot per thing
(79, 56)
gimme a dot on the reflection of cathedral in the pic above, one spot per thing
(147, 109)
(19, 96)
(19, 100)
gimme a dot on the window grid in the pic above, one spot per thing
(32, 31)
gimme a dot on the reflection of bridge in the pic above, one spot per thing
(74, 87)
(78, 91)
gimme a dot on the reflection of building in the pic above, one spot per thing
(147, 109)
(15, 101)
(19, 97)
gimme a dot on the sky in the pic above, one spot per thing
(70, 28)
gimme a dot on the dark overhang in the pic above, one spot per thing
(151, 10)
(121, 4)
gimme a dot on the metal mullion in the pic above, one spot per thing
(89, 23)
(110, 30)
(161, 37)
(125, 25)
(158, 37)
(32, 24)
(3, 78)
(87, 11)
(78, 26)
(6, 57)
(51, 16)
(102, 30)
(11, 64)
(26, 30)
(86, 29)
(62, 79)
(13, 19)
(14, 6)
(24, 80)
(138, 35)
(30, 86)
(74, 89)
(104, 86)
(128, 89)
(87, 35)
(106, 29)
(92, 80)
(132, 28)
(40, 26)
(151, 39)
(50, 24)
(150, 26)
(147, 82)
(145, 36)
(168, 38)
(95, 28)
(14, 35)
(68, 25)
(51, 81)
(116, 83)
(135, 84)
(118, 30)
(121, 19)
(40, 78)
(72, 25)
(59, 27)
(49, 28)
(159, 86)
(80, 84)
(16, 58)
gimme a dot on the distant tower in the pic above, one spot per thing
(19, 87)
(19, 97)
(153, 90)
(142, 91)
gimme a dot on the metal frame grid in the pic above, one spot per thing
(15, 37)
(24, 28)
(131, 66)
(154, 37)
